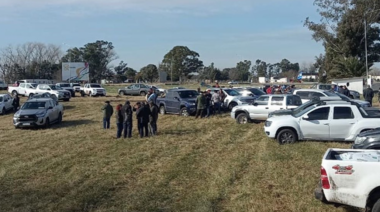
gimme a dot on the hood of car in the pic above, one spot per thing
(374, 132)
(284, 117)
(282, 112)
(30, 112)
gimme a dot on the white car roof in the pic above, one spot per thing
(309, 89)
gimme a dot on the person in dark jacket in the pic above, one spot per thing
(378, 96)
(107, 113)
(345, 91)
(153, 118)
(128, 112)
(142, 115)
(119, 120)
(368, 94)
(208, 104)
(201, 105)
(16, 103)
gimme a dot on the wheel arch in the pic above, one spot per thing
(287, 127)
(373, 196)
(238, 112)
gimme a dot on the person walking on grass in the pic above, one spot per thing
(368, 94)
(107, 113)
(208, 104)
(215, 98)
(153, 117)
(201, 105)
(128, 112)
(119, 120)
(142, 115)
(16, 103)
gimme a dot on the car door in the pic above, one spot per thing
(260, 109)
(21, 88)
(8, 102)
(341, 123)
(136, 89)
(169, 102)
(315, 124)
(276, 103)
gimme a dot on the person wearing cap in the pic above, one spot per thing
(128, 112)
(368, 94)
(119, 120)
(153, 117)
(107, 113)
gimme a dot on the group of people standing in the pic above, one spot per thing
(146, 117)
(209, 103)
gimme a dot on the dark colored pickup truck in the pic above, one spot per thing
(178, 101)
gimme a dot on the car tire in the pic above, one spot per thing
(73, 94)
(66, 100)
(31, 95)
(242, 118)
(3, 111)
(232, 105)
(376, 206)
(286, 136)
(59, 120)
(122, 93)
(162, 110)
(142, 93)
(184, 112)
(47, 123)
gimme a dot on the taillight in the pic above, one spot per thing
(324, 179)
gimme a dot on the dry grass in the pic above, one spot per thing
(192, 165)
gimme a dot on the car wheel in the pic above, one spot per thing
(47, 123)
(122, 93)
(82, 94)
(73, 94)
(142, 93)
(286, 136)
(242, 118)
(31, 95)
(184, 112)
(3, 111)
(90, 94)
(59, 118)
(232, 105)
(66, 100)
(162, 110)
(14, 93)
(376, 206)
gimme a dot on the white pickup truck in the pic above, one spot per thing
(341, 121)
(24, 89)
(93, 89)
(59, 92)
(350, 177)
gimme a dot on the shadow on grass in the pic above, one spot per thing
(178, 132)
(69, 107)
(72, 123)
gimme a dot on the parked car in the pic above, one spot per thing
(66, 86)
(38, 112)
(308, 94)
(3, 85)
(350, 177)
(60, 93)
(233, 98)
(178, 101)
(6, 101)
(23, 89)
(338, 122)
(368, 140)
(44, 96)
(135, 89)
(265, 104)
(76, 87)
(93, 89)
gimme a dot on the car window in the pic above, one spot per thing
(257, 92)
(33, 105)
(343, 113)
(314, 94)
(187, 94)
(22, 85)
(293, 100)
(319, 114)
(143, 86)
(303, 94)
(277, 100)
(262, 100)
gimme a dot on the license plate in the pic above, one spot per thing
(26, 124)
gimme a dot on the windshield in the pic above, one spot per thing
(187, 94)
(1, 99)
(95, 86)
(231, 92)
(330, 93)
(64, 85)
(33, 105)
(299, 114)
(257, 92)
(56, 88)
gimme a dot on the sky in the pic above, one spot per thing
(143, 31)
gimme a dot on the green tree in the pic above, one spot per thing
(260, 69)
(149, 73)
(182, 61)
(243, 68)
(98, 54)
(130, 73)
(120, 71)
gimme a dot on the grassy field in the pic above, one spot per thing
(192, 165)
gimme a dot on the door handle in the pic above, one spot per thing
(267, 108)
(326, 124)
(281, 108)
(352, 123)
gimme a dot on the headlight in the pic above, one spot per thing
(268, 123)
(360, 140)
(41, 114)
(17, 114)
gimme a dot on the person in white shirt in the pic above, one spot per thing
(215, 99)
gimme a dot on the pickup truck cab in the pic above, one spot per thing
(178, 101)
(350, 177)
(6, 101)
(66, 86)
(341, 121)
(38, 112)
(264, 105)
(24, 89)
(93, 89)
(135, 89)
(76, 87)
(60, 93)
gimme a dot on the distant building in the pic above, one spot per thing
(308, 76)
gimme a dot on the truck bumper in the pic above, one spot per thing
(318, 194)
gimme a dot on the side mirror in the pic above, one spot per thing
(305, 117)
(255, 104)
(49, 89)
(50, 107)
